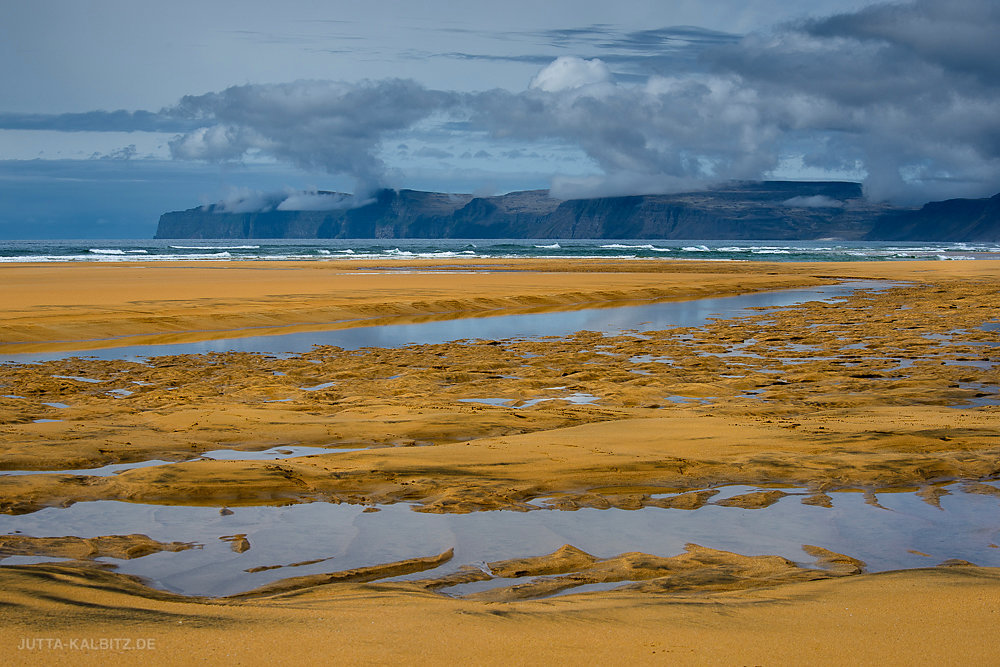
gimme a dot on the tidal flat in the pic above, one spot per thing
(837, 453)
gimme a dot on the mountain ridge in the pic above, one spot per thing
(779, 210)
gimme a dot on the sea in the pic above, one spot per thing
(329, 250)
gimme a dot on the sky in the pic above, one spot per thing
(115, 111)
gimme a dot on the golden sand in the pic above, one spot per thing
(74, 306)
(915, 617)
(858, 395)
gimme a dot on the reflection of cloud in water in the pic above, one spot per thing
(651, 317)
(963, 528)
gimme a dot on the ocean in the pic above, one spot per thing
(83, 250)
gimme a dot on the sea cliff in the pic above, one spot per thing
(748, 210)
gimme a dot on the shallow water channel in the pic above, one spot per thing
(649, 317)
(271, 454)
(904, 531)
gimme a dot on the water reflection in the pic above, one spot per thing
(886, 537)
(651, 317)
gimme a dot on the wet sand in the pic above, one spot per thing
(890, 390)
(77, 306)
(931, 616)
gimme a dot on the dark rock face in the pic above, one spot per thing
(949, 220)
(757, 210)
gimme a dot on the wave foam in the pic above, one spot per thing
(644, 246)
(215, 247)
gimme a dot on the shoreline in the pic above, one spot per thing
(84, 307)
(73, 306)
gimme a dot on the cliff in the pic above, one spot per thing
(949, 220)
(755, 210)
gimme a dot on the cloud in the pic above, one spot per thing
(815, 201)
(329, 125)
(906, 93)
(959, 36)
(244, 200)
(667, 134)
(100, 121)
(248, 200)
(659, 38)
(217, 143)
(621, 183)
(608, 37)
(909, 90)
(123, 153)
(318, 201)
(642, 52)
(569, 73)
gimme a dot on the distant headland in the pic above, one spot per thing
(780, 210)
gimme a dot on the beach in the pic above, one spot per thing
(917, 617)
(887, 394)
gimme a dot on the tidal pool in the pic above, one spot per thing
(271, 454)
(901, 531)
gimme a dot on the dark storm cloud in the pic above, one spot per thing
(909, 90)
(959, 36)
(881, 54)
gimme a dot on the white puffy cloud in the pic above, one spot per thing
(815, 201)
(570, 72)
(244, 200)
(317, 201)
(216, 143)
